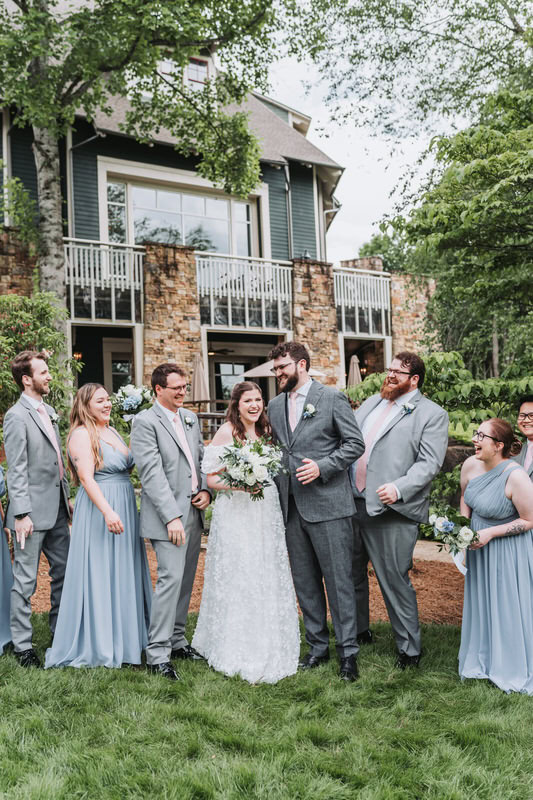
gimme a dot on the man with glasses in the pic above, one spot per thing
(525, 424)
(317, 430)
(167, 447)
(406, 436)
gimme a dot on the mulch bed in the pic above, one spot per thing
(439, 588)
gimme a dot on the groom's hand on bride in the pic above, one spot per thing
(176, 532)
(309, 472)
(201, 500)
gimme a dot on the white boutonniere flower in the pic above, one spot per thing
(309, 411)
(408, 408)
(189, 421)
(54, 418)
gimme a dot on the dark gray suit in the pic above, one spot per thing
(35, 489)
(318, 515)
(409, 453)
(521, 459)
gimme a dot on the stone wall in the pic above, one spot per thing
(314, 315)
(171, 308)
(16, 265)
(409, 298)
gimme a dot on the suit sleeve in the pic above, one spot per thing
(351, 440)
(432, 450)
(16, 447)
(150, 466)
(2, 483)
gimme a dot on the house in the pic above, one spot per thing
(162, 265)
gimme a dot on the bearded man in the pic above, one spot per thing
(406, 436)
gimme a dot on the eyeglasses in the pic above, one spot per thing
(524, 417)
(180, 389)
(479, 436)
(281, 367)
(397, 372)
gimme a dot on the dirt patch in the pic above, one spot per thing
(439, 588)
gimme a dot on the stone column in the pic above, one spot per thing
(314, 315)
(171, 307)
(16, 266)
(409, 299)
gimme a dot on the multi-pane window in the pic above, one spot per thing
(196, 73)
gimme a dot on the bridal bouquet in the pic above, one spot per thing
(250, 465)
(452, 531)
(131, 399)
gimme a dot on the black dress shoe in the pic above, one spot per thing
(365, 637)
(188, 653)
(310, 662)
(166, 670)
(28, 658)
(348, 670)
(403, 661)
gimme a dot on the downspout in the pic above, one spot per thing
(289, 211)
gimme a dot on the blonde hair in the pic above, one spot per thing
(80, 417)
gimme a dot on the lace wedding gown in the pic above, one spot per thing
(248, 622)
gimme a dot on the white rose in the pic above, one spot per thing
(260, 472)
(432, 519)
(235, 472)
(466, 534)
(439, 523)
(129, 389)
(250, 479)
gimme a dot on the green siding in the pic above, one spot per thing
(303, 211)
(277, 197)
(282, 113)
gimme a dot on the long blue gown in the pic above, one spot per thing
(497, 630)
(6, 581)
(105, 606)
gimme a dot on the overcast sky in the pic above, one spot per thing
(370, 173)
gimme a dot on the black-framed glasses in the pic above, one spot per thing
(281, 367)
(180, 389)
(479, 436)
(524, 417)
(390, 371)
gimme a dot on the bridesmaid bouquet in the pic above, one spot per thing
(251, 465)
(129, 400)
(452, 531)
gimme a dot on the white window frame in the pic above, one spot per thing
(110, 169)
(110, 346)
(187, 80)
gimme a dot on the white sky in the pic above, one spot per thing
(370, 173)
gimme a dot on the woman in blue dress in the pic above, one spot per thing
(105, 605)
(497, 630)
(6, 577)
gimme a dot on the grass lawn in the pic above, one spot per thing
(126, 734)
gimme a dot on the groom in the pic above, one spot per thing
(316, 428)
(167, 447)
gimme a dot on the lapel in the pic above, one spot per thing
(522, 460)
(278, 412)
(187, 429)
(370, 406)
(414, 400)
(166, 423)
(36, 417)
(313, 397)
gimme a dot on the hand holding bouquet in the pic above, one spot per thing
(251, 465)
(451, 530)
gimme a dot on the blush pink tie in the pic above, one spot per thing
(182, 438)
(529, 456)
(360, 470)
(50, 432)
(293, 414)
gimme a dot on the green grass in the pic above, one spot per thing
(391, 736)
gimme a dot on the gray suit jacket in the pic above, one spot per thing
(164, 469)
(409, 453)
(33, 470)
(332, 438)
(521, 458)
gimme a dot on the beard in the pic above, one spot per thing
(390, 392)
(291, 382)
(40, 388)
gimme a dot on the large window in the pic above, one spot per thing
(157, 214)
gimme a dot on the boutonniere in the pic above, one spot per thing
(54, 417)
(408, 408)
(189, 421)
(309, 411)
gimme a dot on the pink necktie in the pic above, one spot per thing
(360, 470)
(49, 428)
(178, 424)
(529, 456)
(293, 414)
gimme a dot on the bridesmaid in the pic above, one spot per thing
(497, 630)
(6, 576)
(107, 592)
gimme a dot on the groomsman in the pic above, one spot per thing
(406, 436)
(315, 425)
(167, 447)
(38, 509)
(525, 423)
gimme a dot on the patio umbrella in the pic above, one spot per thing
(354, 373)
(265, 371)
(199, 386)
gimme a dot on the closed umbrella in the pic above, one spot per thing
(354, 373)
(199, 385)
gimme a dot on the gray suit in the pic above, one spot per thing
(166, 494)
(35, 489)
(521, 459)
(318, 515)
(409, 453)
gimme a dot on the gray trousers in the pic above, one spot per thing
(388, 540)
(176, 568)
(54, 543)
(321, 552)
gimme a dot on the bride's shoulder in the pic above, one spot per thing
(223, 436)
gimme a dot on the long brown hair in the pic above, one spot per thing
(262, 426)
(80, 417)
(504, 433)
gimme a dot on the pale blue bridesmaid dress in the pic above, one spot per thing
(105, 606)
(6, 581)
(497, 630)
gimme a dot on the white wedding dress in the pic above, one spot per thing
(248, 621)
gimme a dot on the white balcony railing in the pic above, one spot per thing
(240, 292)
(362, 299)
(104, 281)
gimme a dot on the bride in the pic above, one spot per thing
(248, 621)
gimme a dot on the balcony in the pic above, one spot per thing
(104, 281)
(237, 292)
(362, 300)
